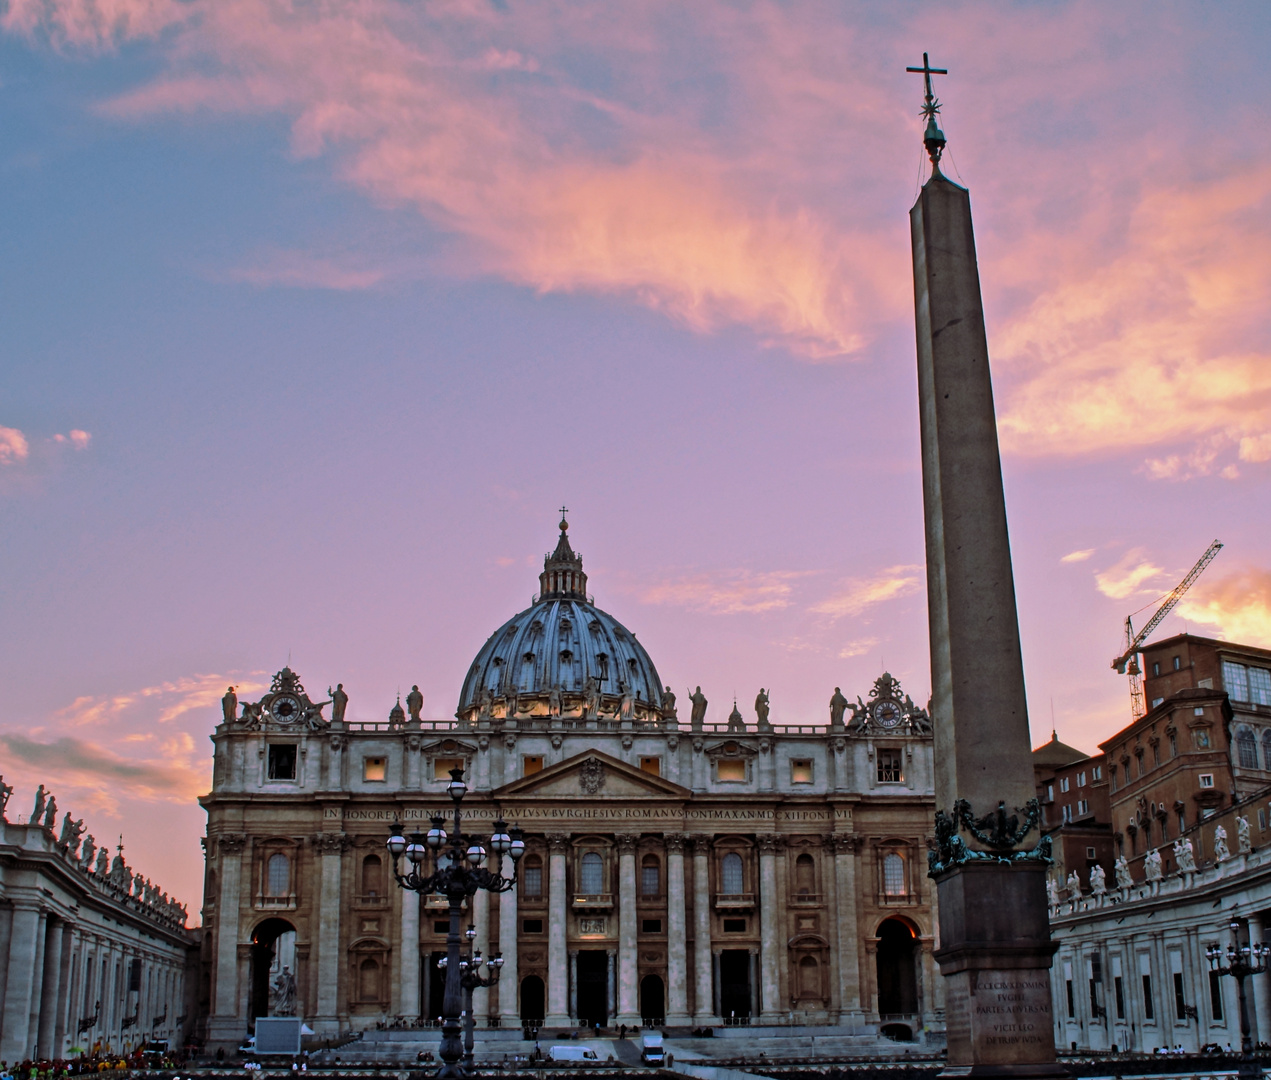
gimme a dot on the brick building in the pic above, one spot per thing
(1072, 787)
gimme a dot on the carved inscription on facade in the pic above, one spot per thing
(1007, 1015)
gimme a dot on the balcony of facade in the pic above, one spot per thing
(734, 901)
(592, 902)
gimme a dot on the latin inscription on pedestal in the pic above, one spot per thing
(999, 1017)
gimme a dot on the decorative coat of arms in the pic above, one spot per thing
(591, 776)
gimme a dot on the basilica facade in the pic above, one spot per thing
(677, 871)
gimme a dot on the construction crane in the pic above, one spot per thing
(1128, 661)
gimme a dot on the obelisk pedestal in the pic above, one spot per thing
(995, 949)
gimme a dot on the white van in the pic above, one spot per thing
(651, 1050)
(572, 1053)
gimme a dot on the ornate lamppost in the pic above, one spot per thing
(457, 873)
(1242, 961)
(470, 979)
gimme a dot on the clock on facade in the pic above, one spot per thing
(887, 713)
(285, 709)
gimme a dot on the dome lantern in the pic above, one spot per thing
(562, 576)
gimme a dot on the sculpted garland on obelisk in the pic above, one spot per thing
(995, 950)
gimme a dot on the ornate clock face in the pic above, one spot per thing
(285, 709)
(887, 713)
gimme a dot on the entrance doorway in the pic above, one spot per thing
(533, 1001)
(652, 1000)
(593, 987)
(264, 941)
(734, 982)
(434, 986)
(897, 969)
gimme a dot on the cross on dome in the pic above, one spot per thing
(933, 138)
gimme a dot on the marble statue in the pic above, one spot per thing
(761, 708)
(339, 702)
(50, 814)
(1124, 879)
(1052, 891)
(86, 856)
(1098, 881)
(1074, 886)
(38, 812)
(1244, 844)
(591, 699)
(72, 830)
(554, 701)
(229, 706)
(627, 708)
(414, 704)
(103, 862)
(285, 994)
(1152, 866)
(698, 717)
(668, 704)
(6, 791)
(838, 706)
(1186, 856)
(1221, 851)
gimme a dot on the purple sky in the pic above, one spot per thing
(313, 314)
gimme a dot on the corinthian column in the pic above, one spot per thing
(703, 998)
(408, 988)
(769, 906)
(509, 977)
(226, 1024)
(849, 959)
(676, 942)
(628, 981)
(557, 957)
(332, 845)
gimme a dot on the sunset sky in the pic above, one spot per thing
(313, 312)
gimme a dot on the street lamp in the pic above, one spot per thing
(470, 979)
(1242, 961)
(457, 873)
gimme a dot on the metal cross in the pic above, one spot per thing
(933, 137)
(563, 511)
(932, 106)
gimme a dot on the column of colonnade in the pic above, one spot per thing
(557, 927)
(628, 956)
(703, 976)
(770, 948)
(845, 849)
(677, 1013)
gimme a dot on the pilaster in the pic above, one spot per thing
(770, 946)
(628, 961)
(677, 1014)
(557, 925)
(510, 978)
(705, 1005)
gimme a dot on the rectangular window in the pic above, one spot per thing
(1156, 753)
(650, 880)
(1182, 821)
(651, 765)
(1081, 779)
(1089, 853)
(531, 764)
(1071, 998)
(531, 881)
(375, 768)
(801, 772)
(441, 767)
(1180, 1002)
(1063, 783)
(531, 926)
(1112, 777)
(650, 926)
(730, 770)
(889, 766)
(1067, 812)
(1206, 780)
(1118, 991)
(734, 926)
(1050, 792)
(1260, 686)
(1262, 821)
(1096, 773)
(441, 926)
(1178, 663)
(1156, 668)
(282, 761)
(1145, 972)
(1215, 995)
(1235, 680)
(1173, 746)
(1083, 807)
(1156, 701)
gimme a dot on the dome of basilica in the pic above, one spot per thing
(562, 656)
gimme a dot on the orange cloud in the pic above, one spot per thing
(1078, 556)
(857, 594)
(13, 446)
(1237, 605)
(726, 592)
(1127, 575)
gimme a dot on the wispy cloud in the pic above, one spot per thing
(1078, 556)
(855, 595)
(305, 270)
(75, 437)
(13, 446)
(1237, 605)
(726, 592)
(161, 703)
(859, 647)
(1127, 575)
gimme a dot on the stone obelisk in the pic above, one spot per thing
(989, 864)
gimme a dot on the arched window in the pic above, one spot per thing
(532, 876)
(593, 875)
(278, 875)
(804, 875)
(369, 980)
(732, 881)
(650, 876)
(809, 978)
(372, 869)
(1247, 749)
(893, 874)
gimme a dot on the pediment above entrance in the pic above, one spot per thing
(592, 775)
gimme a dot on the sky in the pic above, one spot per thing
(313, 314)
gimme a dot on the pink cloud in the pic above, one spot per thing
(856, 595)
(725, 592)
(77, 438)
(13, 446)
(300, 269)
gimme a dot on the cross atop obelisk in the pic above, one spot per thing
(933, 137)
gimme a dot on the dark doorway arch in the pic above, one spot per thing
(264, 937)
(593, 987)
(652, 1000)
(897, 969)
(533, 1000)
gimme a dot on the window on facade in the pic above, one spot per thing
(441, 767)
(1112, 777)
(1081, 779)
(730, 770)
(277, 875)
(889, 766)
(1118, 992)
(1156, 754)
(1063, 783)
(593, 874)
(531, 764)
(282, 761)
(375, 768)
(1260, 686)
(1180, 1002)
(1067, 813)
(732, 882)
(801, 772)
(650, 926)
(529, 926)
(1182, 820)
(1050, 792)
(532, 876)
(894, 875)
(734, 926)
(1173, 745)
(1156, 669)
(809, 978)
(1266, 748)
(1235, 680)
(651, 765)
(1206, 780)
(1145, 972)
(1178, 663)
(1246, 749)
(369, 980)
(650, 876)
(1215, 995)
(372, 876)
(804, 875)
(1083, 807)
(1069, 995)
(1096, 773)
